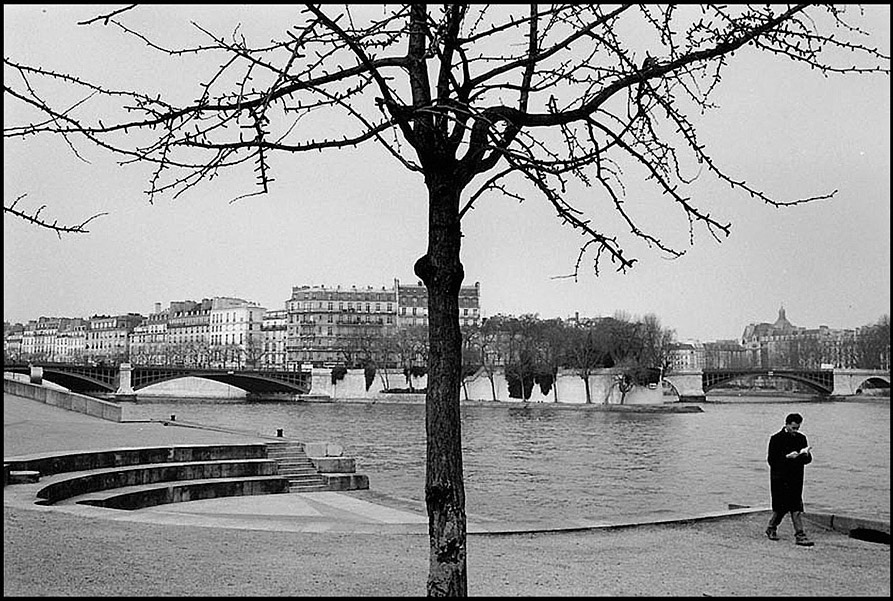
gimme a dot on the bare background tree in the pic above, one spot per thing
(517, 100)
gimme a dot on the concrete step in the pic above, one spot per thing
(293, 465)
(109, 458)
(302, 477)
(298, 474)
(293, 455)
(308, 488)
(88, 481)
(149, 495)
(292, 460)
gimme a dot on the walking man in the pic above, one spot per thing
(788, 453)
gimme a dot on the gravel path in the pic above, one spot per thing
(46, 553)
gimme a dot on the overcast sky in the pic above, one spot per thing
(358, 218)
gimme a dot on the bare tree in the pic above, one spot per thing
(586, 351)
(657, 342)
(476, 99)
(485, 343)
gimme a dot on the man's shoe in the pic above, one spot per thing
(772, 533)
(803, 541)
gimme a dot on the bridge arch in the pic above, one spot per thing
(80, 379)
(665, 383)
(809, 383)
(821, 381)
(874, 382)
(92, 379)
(255, 383)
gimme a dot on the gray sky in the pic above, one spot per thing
(358, 218)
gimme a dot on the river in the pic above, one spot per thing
(540, 462)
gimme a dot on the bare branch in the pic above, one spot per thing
(35, 218)
(106, 18)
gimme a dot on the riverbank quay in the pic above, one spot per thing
(409, 398)
(243, 546)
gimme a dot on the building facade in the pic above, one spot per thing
(687, 356)
(108, 337)
(337, 326)
(783, 345)
(236, 333)
(275, 339)
(412, 303)
(148, 341)
(353, 326)
(71, 341)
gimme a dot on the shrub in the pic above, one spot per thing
(338, 373)
(369, 373)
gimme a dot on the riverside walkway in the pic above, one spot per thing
(364, 543)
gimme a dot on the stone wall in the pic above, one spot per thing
(569, 388)
(63, 399)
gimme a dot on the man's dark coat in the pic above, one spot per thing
(786, 475)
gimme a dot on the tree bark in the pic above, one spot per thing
(441, 271)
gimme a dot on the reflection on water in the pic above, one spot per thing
(540, 462)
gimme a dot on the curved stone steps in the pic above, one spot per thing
(149, 495)
(88, 481)
(56, 463)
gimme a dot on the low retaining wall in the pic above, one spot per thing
(64, 400)
(568, 388)
(847, 524)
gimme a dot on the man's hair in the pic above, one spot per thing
(793, 418)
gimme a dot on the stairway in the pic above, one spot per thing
(295, 466)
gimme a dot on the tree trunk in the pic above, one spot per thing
(588, 393)
(441, 271)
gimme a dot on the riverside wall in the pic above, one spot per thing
(64, 399)
(568, 388)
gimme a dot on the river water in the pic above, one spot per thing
(541, 462)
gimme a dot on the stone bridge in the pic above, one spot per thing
(123, 381)
(693, 385)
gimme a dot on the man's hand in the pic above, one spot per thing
(792, 454)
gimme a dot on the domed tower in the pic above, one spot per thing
(782, 322)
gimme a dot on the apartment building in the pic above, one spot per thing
(71, 341)
(275, 339)
(236, 332)
(108, 337)
(187, 330)
(148, 341)
(328, 326)
(12, 341)
(349, 325)
(412, 303)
